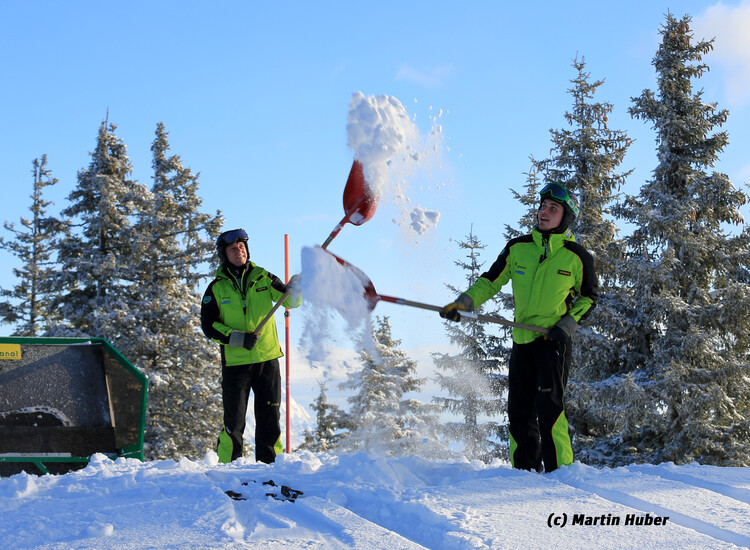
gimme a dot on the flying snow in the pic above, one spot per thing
(330, 288)
(392, 150)
(422, 220)
(328, 284)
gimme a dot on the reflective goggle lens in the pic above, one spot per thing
(233, 236)
(557, 191)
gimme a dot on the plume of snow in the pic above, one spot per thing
(391, 149)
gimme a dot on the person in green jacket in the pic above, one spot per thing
(235, 302)
(554, 287)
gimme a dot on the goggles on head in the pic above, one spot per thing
(231, 237)
(560, 194)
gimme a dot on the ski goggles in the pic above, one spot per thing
(231, 237)
(559, 193)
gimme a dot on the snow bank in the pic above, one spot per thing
(370, 501)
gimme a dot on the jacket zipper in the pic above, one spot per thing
(545, 244)
(238, 285)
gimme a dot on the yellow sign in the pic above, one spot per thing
(10, 351)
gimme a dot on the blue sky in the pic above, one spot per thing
(255, 98)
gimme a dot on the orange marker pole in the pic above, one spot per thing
(286, 323)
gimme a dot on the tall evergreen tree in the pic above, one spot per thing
(91, 288)
(383, 418)
(585, 159)
(684, 394)
(172, 249)
(28, 303)
(476, 378)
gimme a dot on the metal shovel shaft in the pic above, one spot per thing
(372, 297)
(268, 316)
(464, 314)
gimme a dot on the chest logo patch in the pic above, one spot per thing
(563, 272)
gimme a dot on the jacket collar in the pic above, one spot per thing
(224, 272)
(554, 241)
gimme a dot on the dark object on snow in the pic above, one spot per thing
(277, 492)
(287, 493)
(65, 399)
(234, 495)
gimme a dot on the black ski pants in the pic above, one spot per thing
(264, 379)
(538, 374)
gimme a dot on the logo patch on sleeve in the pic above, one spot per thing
(563, 272)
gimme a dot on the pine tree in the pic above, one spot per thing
(91, 290)
(28, 307)
(685, 395)
(585, 160)
(332, 424)
(476, 379)
(383, 419)
(173, 244)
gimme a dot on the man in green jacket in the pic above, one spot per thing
(554, 287)
(235, 302)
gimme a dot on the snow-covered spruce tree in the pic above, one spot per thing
(475, 378)
(173, 246)
(92, 293)
(585, 159)
(27, 305)
(383, 419)
(331, 424)
(686, 394)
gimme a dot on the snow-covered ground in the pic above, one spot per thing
(367, 501)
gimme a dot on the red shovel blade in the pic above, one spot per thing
(371, 295)
(359, 200)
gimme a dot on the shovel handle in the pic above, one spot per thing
(336, 231)
(268, 316)
(346, 219)
(501, 321)
(464, 314)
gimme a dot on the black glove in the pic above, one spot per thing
(556, 334)
(245, 340)
(563, 330)
(452, 310)
(250, 340)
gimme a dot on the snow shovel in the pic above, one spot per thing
(359, 201)
(359, 206)
(373, 298)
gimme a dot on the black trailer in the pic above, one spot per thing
(63, 400)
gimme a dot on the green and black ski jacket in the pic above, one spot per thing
(231, 303)
(552, 276)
